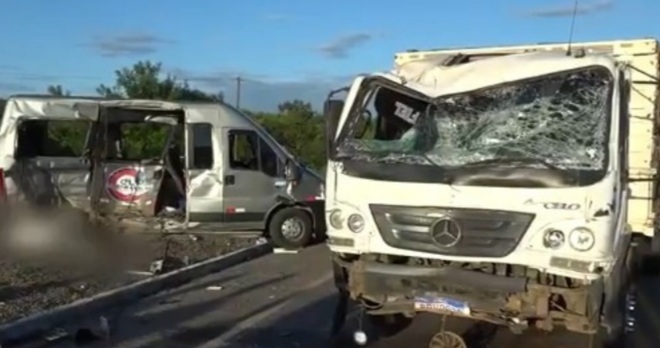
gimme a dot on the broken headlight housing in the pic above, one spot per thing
(356, 223)
(553, 239)
(336, 219)
(582, 239)
(579, 239)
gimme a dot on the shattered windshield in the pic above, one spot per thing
(559, 121)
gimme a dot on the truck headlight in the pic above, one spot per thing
(553, 239)
(336, 219)
(356, 223)
(582, 239)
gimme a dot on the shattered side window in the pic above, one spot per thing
(384, 122)
(561, 119)
(143, 140)
(52, 138)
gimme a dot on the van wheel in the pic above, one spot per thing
(291, 228)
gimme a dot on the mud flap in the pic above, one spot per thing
(341, 311)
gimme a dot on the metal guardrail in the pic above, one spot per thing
(94, 307)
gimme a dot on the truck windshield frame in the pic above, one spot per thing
(559, 123)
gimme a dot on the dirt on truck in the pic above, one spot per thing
(512, 185)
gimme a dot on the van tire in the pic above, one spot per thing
(291, 228)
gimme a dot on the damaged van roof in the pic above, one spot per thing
(45, 106)
(430, 77)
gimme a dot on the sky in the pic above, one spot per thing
(282, 49)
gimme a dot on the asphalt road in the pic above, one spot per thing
(287, 300)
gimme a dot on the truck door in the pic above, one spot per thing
(129, 161)
(251, 179)
(52, 163)
(204, 173)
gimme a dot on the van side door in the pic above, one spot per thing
(204, 173)
(51, 160)
(129, 163)
(52, 155)
(252, 179)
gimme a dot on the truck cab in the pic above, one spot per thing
(495, 184)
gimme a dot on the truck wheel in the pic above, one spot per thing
(620, 336)
(291, 228)
(388, 325)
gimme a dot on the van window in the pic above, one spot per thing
(243, 150)
(248, 151)
(202, 146)
(52, 138)
(268, 159)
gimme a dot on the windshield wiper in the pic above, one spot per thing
(524, 160)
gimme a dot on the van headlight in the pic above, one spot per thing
(553, 239)
(336, 219)
(356, 223)
(582, 239)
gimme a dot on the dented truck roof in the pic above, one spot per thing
(430, 77)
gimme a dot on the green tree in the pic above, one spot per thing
(298, 128)
(58, 91)
(146, 80)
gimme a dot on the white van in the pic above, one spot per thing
(173, 166)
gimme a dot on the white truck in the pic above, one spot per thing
(511, 185)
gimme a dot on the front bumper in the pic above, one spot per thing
(501, 299)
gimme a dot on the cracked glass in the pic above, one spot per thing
(559, 120)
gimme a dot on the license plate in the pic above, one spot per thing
(441, 304)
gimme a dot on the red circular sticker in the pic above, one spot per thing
(126, 184)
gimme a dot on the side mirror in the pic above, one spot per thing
(332, 112)
(291, 171)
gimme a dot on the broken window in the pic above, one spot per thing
(561, 119)
(202, 146)
(52, 138)
(136, 141)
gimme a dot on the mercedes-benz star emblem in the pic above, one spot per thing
(446, 232)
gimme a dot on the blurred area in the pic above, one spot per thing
(54, 257)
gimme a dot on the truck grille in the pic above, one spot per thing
(450, 231)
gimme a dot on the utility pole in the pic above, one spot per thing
(238, 92)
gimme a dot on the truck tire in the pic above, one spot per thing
(620, 336)
(291, 228)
